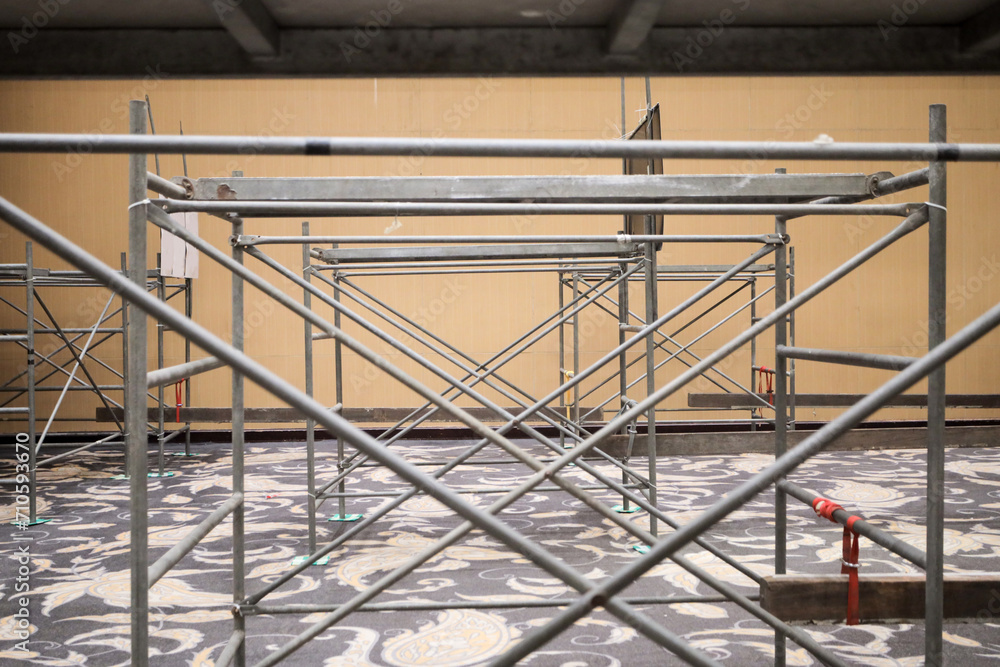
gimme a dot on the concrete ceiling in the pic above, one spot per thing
(462, 37)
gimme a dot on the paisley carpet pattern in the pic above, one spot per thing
(79, 581)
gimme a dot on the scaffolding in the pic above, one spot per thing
(783, 196)
(45, 371)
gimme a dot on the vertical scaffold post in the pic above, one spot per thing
(623, 311)
(790, 363)
(576, 354)
(188, 312)
(161, 294)
(338, 379)
(780, 416)
(651, 316)
(136, 435)
(753, 347)
(310, 424)
(125, 357)
(239, 402)
(936, 300)
(562, 354)
(29, 308)
(623, 356)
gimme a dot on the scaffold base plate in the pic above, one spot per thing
(621, 509)
(298, 560)
(36, 522)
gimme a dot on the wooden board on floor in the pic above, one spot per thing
(983, 401)
(881, 597)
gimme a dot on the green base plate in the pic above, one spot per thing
(631, 510)
(36, 522)
(641, 548)
(298, 560)
(183, 454)
(156, 474)
(120, 477)
(346, 517)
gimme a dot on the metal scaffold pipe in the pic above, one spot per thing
(172, 374)
(539, 148)
(251, 240)
(266, 209)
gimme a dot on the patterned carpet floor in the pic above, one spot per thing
(79, 580)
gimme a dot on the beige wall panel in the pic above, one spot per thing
(880, 308)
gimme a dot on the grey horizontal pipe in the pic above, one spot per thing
(507, 252)
(861, 527)
(172, 374)
(887, 362)
(541, 148)
(74, 329)
(14, 411)
(250, 240)
(13, 338)
(164, 187)
(258, 610)
(232, 646)
(190, 541)
(44, 282)
(311, 408)
(484, 490)
(401, 209)
(469, 271)
(581, 263)
(66, 273)
(100, 387)
(57, 419)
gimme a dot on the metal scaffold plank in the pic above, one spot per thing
(749, 188)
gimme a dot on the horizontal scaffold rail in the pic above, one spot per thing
(249, 240)
(745, 188)
(172, 374)
(477, 252)
(280, 209)
(12, 142)
(865, 359)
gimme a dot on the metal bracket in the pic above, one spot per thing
(874, 179)
(242, 240)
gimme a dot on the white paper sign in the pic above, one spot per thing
(177, 258)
